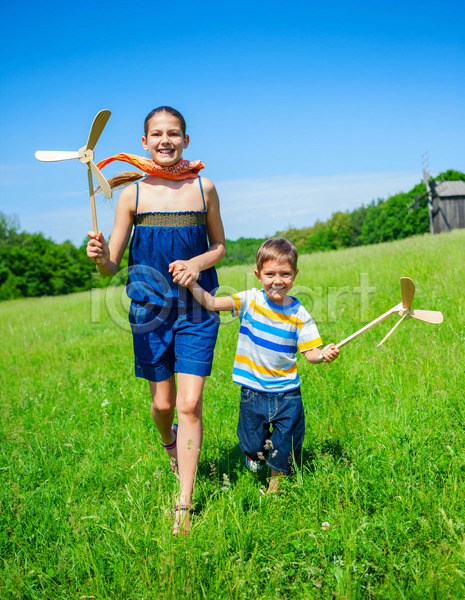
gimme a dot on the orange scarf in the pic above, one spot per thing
(183, 169)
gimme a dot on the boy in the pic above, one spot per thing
(274, 326)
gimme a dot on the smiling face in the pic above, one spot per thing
(277, 278)
(164, 139)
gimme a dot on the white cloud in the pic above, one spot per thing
(69, 223)
(14, 174)
(261, 207)
(249, 207)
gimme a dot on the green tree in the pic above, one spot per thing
(341, 225)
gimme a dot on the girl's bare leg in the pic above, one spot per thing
(162, 410)
(189, 407)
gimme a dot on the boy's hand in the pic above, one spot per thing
(330, 353)
(176, 268)
(180, 277)
(185, 272)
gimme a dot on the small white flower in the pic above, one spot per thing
(325, 526)
(226, 483)
(105, 402)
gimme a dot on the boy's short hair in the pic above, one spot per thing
(278, 248)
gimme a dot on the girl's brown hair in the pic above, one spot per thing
(278, 248)
(127, 177)
(166, 109)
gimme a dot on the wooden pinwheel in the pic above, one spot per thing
(86, 156)
(404, 309)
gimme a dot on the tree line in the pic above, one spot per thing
(33, 265)
(395, 218)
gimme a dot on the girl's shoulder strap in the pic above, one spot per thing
(137, 197)
(203, 197)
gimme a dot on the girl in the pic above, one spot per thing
(178, 234)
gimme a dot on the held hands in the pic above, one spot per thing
(97, 248)
(185, 272)
(329, 353)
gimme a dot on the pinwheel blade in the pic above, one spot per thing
(407, 288)
(103, 183)
(55, 155)
(101, 119)
(429, 316)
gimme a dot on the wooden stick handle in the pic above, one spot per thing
(392, 330)
(92, 199)
(369, 326)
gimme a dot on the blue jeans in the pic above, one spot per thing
(261, 410)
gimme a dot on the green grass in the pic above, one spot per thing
(86, 492)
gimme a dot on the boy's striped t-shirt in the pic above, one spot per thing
(269, 337)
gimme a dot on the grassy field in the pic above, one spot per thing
(87, 495)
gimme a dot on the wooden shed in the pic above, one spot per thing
(447, 205)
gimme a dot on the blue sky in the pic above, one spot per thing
(296, 109)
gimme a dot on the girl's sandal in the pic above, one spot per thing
(179, 527)
(173, 465)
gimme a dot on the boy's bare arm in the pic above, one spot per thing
(211, 302)
(328, 354)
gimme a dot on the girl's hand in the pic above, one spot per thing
(185, 272)
(330, 353)
(97, 248)
(176, 267)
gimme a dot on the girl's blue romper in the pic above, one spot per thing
(172, 333)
